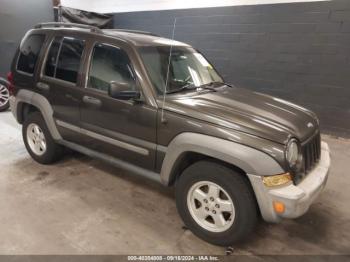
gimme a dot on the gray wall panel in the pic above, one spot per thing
(297, 51)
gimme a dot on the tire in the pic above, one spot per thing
(233, 187)
(4, 96)
(34, 130)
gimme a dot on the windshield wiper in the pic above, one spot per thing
(213, 85)
(208, 86)
(218, 83)
(185, 87)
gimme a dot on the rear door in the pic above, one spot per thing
(61, 80)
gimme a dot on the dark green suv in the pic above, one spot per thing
(158, 108)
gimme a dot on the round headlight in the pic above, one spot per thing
(292, 152)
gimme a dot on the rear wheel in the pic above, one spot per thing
(38, 140)
(4, 97)
(216, 203)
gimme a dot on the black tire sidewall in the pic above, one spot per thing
(51, 147)
(237, 188)
(5, 106)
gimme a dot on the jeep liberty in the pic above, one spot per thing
(158, 108)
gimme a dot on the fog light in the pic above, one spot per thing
(279, 207)
(277, 180)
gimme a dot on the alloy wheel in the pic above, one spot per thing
(211, 206)
(4, 95)
(36, 139)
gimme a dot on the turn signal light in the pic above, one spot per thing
(278, 207)
(277, 180)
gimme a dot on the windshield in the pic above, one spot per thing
(188, 68)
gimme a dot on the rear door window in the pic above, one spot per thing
(29, 53)
(69, 59)
(64, 58)
(52, 57)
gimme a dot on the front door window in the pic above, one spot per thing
(109, 64)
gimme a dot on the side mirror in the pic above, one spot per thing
(122, 91)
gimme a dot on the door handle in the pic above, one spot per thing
(69, 96)
(92, 100)
(43, 86)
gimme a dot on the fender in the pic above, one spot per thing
(4, 81)
(39, 101)
(251, 160)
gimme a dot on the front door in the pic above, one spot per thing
(124, 129)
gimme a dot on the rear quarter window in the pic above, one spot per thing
(29, 53)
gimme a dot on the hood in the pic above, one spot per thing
(246, 111)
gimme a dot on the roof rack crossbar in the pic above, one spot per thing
(135, 31)
(69, 25)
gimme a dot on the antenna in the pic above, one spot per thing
(163, 120)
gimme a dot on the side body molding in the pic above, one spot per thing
(39, 101)
(252, 161)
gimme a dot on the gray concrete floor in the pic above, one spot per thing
(84, 206)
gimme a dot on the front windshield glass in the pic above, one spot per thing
(188, 68)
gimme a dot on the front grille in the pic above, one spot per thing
(311, 151)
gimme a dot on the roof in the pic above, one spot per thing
(142, 38)
(138, 38)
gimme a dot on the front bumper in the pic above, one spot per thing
(296, 198)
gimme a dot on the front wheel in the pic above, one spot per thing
(216, 203)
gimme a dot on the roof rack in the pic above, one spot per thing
(69, 25)
(135, 31)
